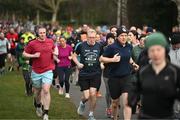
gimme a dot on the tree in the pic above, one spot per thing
(159, 14)
(178, 7)
(121, 18)
(51, 6)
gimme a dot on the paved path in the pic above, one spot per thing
(101, 104)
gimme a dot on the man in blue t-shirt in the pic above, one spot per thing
(90, 71)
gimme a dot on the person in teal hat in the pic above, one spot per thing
(158, 81)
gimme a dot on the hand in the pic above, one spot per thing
(80, 65)
(116, 58)
(36, 55)
(72, 45)
(135, 66)
(102, 66)
(70, 57)
(27, 61)
(57, 60)
(55, 53)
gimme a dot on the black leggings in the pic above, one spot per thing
(28, 83)
(64, 74)
(2, 60)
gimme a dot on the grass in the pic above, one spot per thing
(15, 105)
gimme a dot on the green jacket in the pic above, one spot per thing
(136, 52)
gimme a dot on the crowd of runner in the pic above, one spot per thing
(139, 64)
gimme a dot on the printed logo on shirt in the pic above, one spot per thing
(90, 58)
(166, 78)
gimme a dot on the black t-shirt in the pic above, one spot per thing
(89, 58)
(158, 90)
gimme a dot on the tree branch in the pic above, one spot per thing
(48, 3)
(115, 2)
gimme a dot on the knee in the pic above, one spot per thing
(86, 97)
(125, 102)
(46, 91)
(115, 103)
(92, 93)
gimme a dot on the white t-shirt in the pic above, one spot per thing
(175, 56)
(3, 46)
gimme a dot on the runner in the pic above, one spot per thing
(64, 66)
(138, 48)
(24, 63)
(119, 56)
(90, 72)
(174, 54)
(158, 82)
(41, 51)
(12, 36)
(4, 46)
(110, 38)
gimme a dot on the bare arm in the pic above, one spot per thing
(56, 52)
(56, 58)
(74, 58)
(116, 58)
(71, 56)
(131, 61)
(27, 55)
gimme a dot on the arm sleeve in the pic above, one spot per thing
(101, 50)
(78, 49)
(108, 52)
(28, 49)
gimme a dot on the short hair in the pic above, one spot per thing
(90, 31)
(40, 27)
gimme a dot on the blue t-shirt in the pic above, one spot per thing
(122, 68)
(89, 58)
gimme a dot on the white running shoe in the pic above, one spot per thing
(67, 95)
(39, 112)
(45, 117)
(61, 91)
(91, 117)
(81, 108)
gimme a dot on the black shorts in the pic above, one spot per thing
(117, 86)
(86, 83)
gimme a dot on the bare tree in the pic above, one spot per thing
(51, 6)
(121, 12)
(178, 6)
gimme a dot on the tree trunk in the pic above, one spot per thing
(37, 17)
(118, 13)
(13, 17)
(54, 16)
(178, 6)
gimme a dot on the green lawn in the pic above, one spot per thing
(15, 105)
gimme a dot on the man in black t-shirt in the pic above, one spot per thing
(90, 71)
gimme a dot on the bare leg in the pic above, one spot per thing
(127, 111)
(115, 104)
